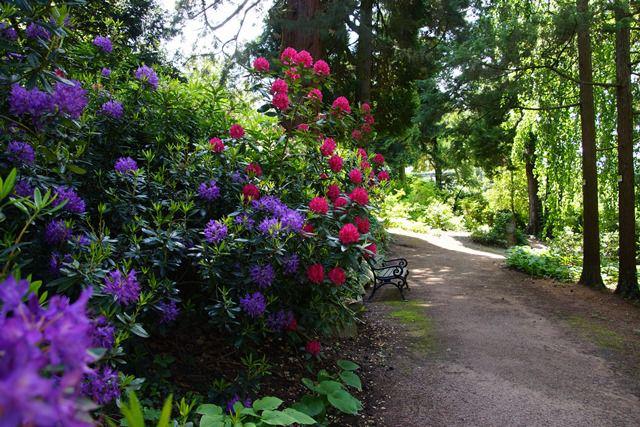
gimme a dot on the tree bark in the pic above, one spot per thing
(365, 50)
(298, 29)
(534, 226)
(591, 275)
(627, 277)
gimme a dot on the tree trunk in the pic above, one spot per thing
(298, 29)
(591, 229)
(627, 278)
(365, 49)
(437, 163)
(535, 204)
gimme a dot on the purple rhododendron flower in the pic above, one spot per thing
(21, 153)
(8, 32)
(262, 275)
(270, 226)
(103, 43)
(35, 31)
(147, 75)
(215, 231)
(75, 204)
(124, 288)
(56, 232)
(103, 333)
(238, 177)
(33, 102)
(292, 220)
(106, 72)
(169, 311)
(291, 263)
(34, 342)
(209, 190)
(102, 386)
(279, 320)
(247, 402)
(113, 109)
(23, 188)
(125, 165)
(70, 99)
(56, 261)
(253, 304)
(246, 221)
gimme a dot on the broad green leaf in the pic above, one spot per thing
(327, 387)
(348, 365)
(212, 421)
(344, 402)
(299, 417)
(267, 403)
(310, 405)
(351, 379)
(209, 409)
(276, 418)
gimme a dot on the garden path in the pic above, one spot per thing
(481, 345)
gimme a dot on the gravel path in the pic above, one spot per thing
(481, 345)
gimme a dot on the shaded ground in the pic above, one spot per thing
(478, 344)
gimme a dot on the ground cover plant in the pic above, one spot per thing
(131, 199)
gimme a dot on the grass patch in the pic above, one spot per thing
(598, 334)
(418, 324)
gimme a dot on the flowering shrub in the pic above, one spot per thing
(122, 185)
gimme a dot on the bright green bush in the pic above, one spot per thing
(539, 263)
(497, 234)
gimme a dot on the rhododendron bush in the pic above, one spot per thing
(139, 200)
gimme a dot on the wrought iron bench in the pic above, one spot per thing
(389, 272)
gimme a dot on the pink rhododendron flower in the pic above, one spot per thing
(308, 228)
(364, 165)
(337, 276)
(340, 202)
(383, 176)
(217, 146)
(355, 176)
(321, 68)
(304, 58)
(369, 119)
(315, 273)
(303, 127)
(360, 196)
(292, 73)
(366, 128)
(236, 131)
(362, 153)
(370, 250)
(288, 56)
(261, 64)
(348, 234)
(319, 205)
(250, 192)
(333, 192)
(356, 134)
(324, 176)
(328, 147)
(366, 108)
(378, 159)
(363, 224)
(253, 169)
(335, 163)
(280, 101)
(293, 325)
(315, 95)
(341, 105)
(279, 86)
(313, 348)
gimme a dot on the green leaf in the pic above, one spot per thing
(347, 365)
(8, 184)
(132, 411)
(344, 402)
(299, 417)
(351, 379)
(209, 409)
(267, 403)
(212, 421)
(328, 387)
(310, 405)
(309, 384)
(137, 329)
(165, 415)
(76, 169)
(276, 418)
